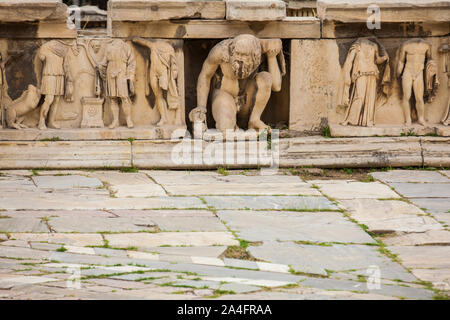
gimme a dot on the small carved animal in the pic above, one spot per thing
(16, 110)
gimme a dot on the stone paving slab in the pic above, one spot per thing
(23, 225)
(166, 214)
(445, 172)
(137, 191)
(166, 177)
(24, 253)
(424, 190)
(142, 240)
(423, 256)
(284, 226)
(443, 218)
(267, 202)
(433, 237)
(66, 182)
(81, 214)
(317, 259)
(433, 205)
(384, 216)
(300, 188)
(203, 251)
(68, 202)
(356, 190)
(62, 238)
(440, 278)
(414, 176)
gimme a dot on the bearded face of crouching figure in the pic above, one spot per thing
(119, 70)
(241, 91)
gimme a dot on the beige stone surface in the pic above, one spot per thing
(73, 239)
(56, 154)
(32, 10)
(439, 277)
(255, 10)
(389, 215)
(443, 131)
(433, 237)
(143, 240)
(382, 130)
(137, 191)
(434, 257)
(350, 152)
(436, 151)
(151, 10)
(291, 27)
(411, 10)
(357, 190)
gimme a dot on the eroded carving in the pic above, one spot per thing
(365, 61)
(163, 80)
(54, 80)
(445, 49)
(15, 112)
(240, 89)
(418, 73)
(118, 68)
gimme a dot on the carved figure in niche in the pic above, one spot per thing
(162, 77)
(118, 69)
(362, 82)
(418, 73)
(17, 109)
(241, 90)
(445, 49)
(54, 80)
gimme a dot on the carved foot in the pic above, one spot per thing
(344, 123)
(422, 122)
(54, 125)
(446, 122)
(113, 125)
(130, 123)
(408, 123)
(161, 123)
(370, 124)
(42, 125)
(258, 125)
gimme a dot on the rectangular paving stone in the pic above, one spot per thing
(433, 205)
(384, 216)
(433, 237)
(24, 253)
(203, 251)
(317, 259)
(51, 214)
(443, 218)
(225, 188)
(110, 252)
(137, 191)
(236, 263)
(290, 226)
(357, 190)
(445, 172)
(142, 240)
(66, 182)
(270, 202)
(239, 287)
(440, 278)
(63, 238)
(165, 177)
(198, 284)
(415, 176)
(423, 256)
(423, 190)
(23, 225)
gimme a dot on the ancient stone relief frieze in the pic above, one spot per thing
(445, 51)
(240, 87)
(93, 82)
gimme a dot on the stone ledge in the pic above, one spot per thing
(350, 11)
(294, 152)
(289, 28)
(154, 10)
(32, 10)
(338, 130)
(255, 10)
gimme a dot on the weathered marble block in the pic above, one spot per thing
(255, 10)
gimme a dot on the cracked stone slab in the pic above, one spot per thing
(423, 256)
(62, 238)
(165, 177)
(143, 240)
(413, 176)
(270, 202)
(137, 191)
(23, 225)
(433, 237)
(440, 278)
(433, 205)
(423, 190)
(203, 251)
(286, 226)
(300, 188)
(385, 216)
(66, 182)
(356, 190)
(24, 253)
(317, 259)
(443, 218)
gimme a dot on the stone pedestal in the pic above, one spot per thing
(92, 112)
(381, 130)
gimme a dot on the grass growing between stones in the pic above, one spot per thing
(129, 169)
(237, 252)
